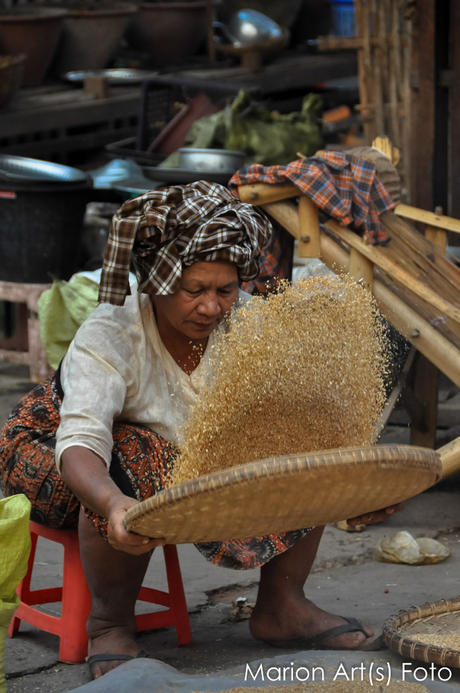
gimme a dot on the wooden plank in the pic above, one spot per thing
(343, 43)
(425, 217)
(286, 73)
(412, 251)
(411, 325)
(62, 145)
(445, 326)
(19, 121)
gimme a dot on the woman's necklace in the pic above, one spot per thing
(190, 362)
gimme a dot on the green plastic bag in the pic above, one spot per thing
(61, 310)
(270, 138)
(266, 137)
(14, 554)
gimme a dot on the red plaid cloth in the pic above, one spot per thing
(344, 186)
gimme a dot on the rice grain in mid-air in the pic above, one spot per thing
(300, 371)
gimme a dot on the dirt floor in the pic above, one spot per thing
(346, 579)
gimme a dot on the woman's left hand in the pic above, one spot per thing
(377, 516)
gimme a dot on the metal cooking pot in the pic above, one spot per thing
(211, 160)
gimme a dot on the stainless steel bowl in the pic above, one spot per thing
(249, 27)
(211, 160)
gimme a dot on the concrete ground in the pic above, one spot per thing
(346, 579)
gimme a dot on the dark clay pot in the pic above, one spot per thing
(35, 32)
(168, 31)
(91, 36)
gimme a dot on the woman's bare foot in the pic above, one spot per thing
(112, 641)
(297, 617)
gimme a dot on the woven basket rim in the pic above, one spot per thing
(388, 456)
(445, 656)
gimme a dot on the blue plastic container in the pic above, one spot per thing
(343, 16)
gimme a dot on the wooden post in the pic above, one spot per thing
(210, 30)
(454, 111)
(251, 60)
(423, 110)
(361, 269)
(99, 86)
(425, 390)
(309, 243)
(438, 237)
(366, 106)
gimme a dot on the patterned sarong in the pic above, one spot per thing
(141, 460)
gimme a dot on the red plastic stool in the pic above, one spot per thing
(76, 601)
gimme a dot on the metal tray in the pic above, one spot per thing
(183, 176)
(116, 76)
(17, 169)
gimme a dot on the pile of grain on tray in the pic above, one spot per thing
(449, 640)
(358, 686)
(298, 372)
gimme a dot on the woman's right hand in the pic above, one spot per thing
(119, 537)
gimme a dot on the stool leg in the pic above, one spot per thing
(23, 591)
(74, 639)
(178, 605)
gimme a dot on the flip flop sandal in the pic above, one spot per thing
(112, 658)
(352, 625)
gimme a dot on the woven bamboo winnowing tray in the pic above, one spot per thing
(286, 493)
(409, 632)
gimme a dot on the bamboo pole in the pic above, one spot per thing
(450, 457)
(377, 256)
(411, 325)
(262, 193)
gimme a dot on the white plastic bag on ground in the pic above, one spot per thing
(403, 548)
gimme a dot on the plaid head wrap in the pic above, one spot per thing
(173, 227)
